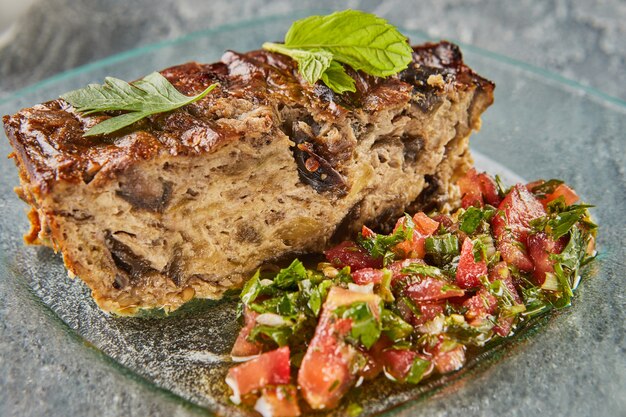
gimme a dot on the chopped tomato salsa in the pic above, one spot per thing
(409, 304)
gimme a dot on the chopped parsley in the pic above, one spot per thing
(441, 250)
(366, 327)
(418, 368)
(380, 246)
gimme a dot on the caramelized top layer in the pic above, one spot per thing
(49, 145)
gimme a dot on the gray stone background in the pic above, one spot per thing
(581, 40)
(584, 40)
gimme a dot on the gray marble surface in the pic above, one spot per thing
(43, 370)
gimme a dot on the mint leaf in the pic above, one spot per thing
(151, 95)
(311, 64)
(568, 264)
(561, 219)
(502, 189)
(337, 79)
(361, 40)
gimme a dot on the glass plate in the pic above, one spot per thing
(540, 126)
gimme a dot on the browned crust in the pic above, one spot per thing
(256, 92)
(49, 146)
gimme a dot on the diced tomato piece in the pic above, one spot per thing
(432, 289)
(397, 267)
(405, 311)
(480, 306)
(469, 271)
(531, 185)
(338, 297)
(406, 249)
(342, 327)
(520, 207)
(270, 368)
(424, 227)
(489, 189)
(477, 189)
(540, 247)
(279, 401)
(471, 194)
(367, 275)
(515, 254)
(397, 363)
(511, 226)
(374, 364)
(503, 326)
(448, 357)
(564, 191)
(426, 311)
(352, 255)
(366, 232)
(443, 219)
(243, 348)
(500, 271)
(325, 373)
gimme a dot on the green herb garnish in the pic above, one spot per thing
(417, 371)
(420, 322)
(385, 286)
(317, 295)
(568, 264)
(250, 292)
(151, 95)
(353, 410)
(546, 188)
(562, 218)
(365, 42)
(470, 220)
(394, 327)
(279, 335)
(290, 276)
(420, 269)
(442, 249)
(381, 245)
(502, 189)
(366, 328)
